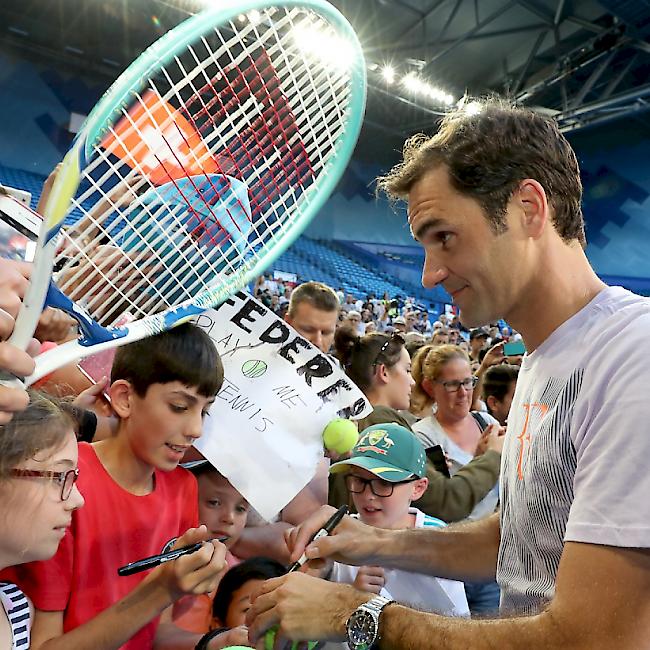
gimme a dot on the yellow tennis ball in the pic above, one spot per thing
(340, 436)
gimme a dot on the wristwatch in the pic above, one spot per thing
(362, 627)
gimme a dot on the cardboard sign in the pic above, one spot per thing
(264, 432)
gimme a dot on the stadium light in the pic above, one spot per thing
(388, 73)
(327, 47)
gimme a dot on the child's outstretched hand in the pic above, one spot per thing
(370, 579)
(195, 573)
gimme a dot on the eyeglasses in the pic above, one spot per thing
(65, 479)
(453, 385)
(378, 486)
(385, 346)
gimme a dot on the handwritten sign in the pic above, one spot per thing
(264, 432)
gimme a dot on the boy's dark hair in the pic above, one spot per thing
(255, 568)
(497, 380)
(185, 354)
(359, 355)
(488, 154)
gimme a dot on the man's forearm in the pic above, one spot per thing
(466, 551)
(406, 629)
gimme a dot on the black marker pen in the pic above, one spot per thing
(329, 526)
(156, 560)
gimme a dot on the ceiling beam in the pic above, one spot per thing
(592, 79)
(604, 104)
(486, 21)
(498, 33)
(614, 81)
(532, 54)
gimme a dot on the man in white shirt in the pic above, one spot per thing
(494, 198)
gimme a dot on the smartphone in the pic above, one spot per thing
(514, 349)
(19, 226)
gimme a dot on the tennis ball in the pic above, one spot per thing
(340, 435)
(253, 368)
(269, 638)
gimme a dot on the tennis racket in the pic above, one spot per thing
(196, 169)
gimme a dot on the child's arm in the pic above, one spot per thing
(190, 574)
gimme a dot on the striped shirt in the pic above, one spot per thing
(16, 607)
(576, 431)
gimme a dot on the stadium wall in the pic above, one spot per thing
(35, 113)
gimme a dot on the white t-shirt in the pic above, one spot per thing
(431, 433)
(414, 589)
(573, 464)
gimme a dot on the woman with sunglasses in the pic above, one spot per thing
(380, 366)
(443, 391)
(38, 471)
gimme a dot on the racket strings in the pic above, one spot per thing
(208, 165)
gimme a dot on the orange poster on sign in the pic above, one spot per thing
(157, 140)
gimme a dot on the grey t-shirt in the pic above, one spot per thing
(573, 464)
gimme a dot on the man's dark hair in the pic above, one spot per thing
(185, 354)
(497, 380)
(487, 155)
(317, 294)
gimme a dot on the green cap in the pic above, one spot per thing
(389, 450)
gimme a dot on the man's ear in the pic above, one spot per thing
(121, 393)
(491, 402)
(535, 208)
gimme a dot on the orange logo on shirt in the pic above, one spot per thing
(524, 437)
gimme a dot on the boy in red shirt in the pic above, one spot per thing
(137, 501)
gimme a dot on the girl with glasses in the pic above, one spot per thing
(38, 471)
(443, 392)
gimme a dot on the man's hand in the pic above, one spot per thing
(14, 281)
(493, 357)
(351, 542)
(492, 438)
(371, 579)
(195, 573)
(303, 608)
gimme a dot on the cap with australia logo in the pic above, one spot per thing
(389, 450)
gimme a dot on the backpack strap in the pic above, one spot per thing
(480, 420)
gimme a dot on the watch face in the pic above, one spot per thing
(361, 630)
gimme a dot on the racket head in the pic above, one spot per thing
(315, 110)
